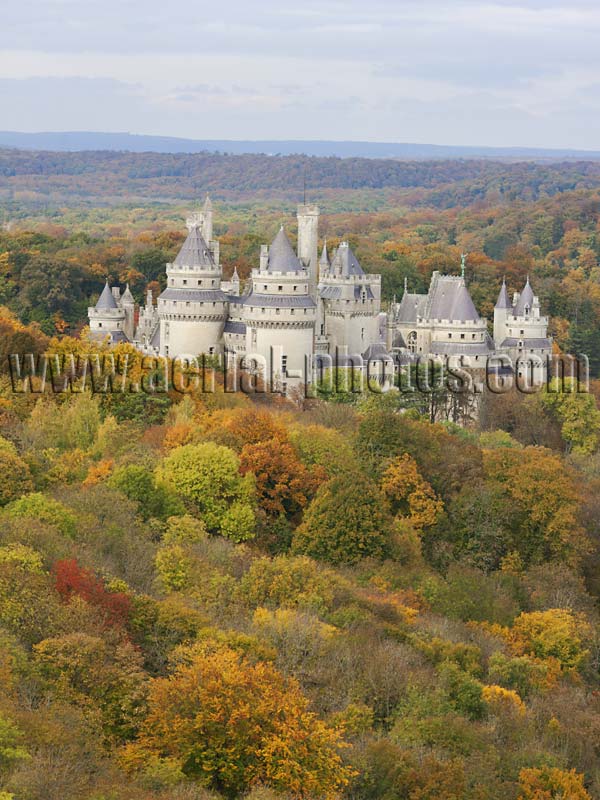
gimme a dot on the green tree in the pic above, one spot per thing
(207, 475)
(348, 519)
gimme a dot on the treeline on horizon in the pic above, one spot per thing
(109, 175)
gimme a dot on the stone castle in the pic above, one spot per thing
(297, 305)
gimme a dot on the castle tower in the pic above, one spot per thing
(128, 305)
(207, 220)
(308, 236)
(193, 307)
(502, 309)
(107, 317)
(279, 313)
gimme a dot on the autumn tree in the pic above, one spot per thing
(546, 494)
(551, 783)
(410, 495)
(283, 484)
(348, 520)
(230, 724)
(208, 476)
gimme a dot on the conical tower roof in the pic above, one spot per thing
(194, 251)
(106, 299)
(526, 299)
(127, 296)
(345, 262)
(324, 260)
(503, 300)
(281, 255)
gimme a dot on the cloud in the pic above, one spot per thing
(494, 72)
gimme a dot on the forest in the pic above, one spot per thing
(214, 595)
(208, 596)
(513, 220)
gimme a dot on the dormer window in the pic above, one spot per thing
(526, 311)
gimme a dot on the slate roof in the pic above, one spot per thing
(281, 255)
(449, 298)
(324, 260)
(278, 300)
(106, 299)
(127, 296)
(538, 344)
(359, 289)
(503, 300)
(155, 340)
(526, 299)
(330, 292)
(410, 307)
(232, 326)
(462, 348)
(194, 251)
(345, 262)
(195, 295)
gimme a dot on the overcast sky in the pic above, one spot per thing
(445, 71)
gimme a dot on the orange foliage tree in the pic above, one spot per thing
(283, 484)
(232, 724)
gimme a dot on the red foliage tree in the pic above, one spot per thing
(72, 580)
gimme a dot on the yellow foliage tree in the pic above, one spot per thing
(410, 495)
(550, 783)
(232, 724)
(553, 634)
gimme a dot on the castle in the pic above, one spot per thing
(298, 305)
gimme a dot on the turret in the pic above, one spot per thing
(128, 305)
(308, 233)
(502, 310)
(207, 220)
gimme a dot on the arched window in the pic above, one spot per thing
(412, 341)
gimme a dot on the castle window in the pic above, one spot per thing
(185, 281)
(99, 324)
(462, 336)
(265, 287)
(199, 283)
(277, 310)
(280, 288)
(449, 335)
(322, 329)
(521, 332)
(284, 364)
(292, 311)
(472, 336)
(412, 341)
(295, 287)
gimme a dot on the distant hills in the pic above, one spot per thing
(75, 141)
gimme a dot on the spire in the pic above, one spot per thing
(345, 262)
(525, 301)
(281, 255)
(106, 299)
(127, 296)
(194, 251)
(324, 260)
(503, 300)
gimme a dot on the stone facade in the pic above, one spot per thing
(296, 305)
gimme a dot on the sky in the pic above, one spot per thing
(461, 72)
